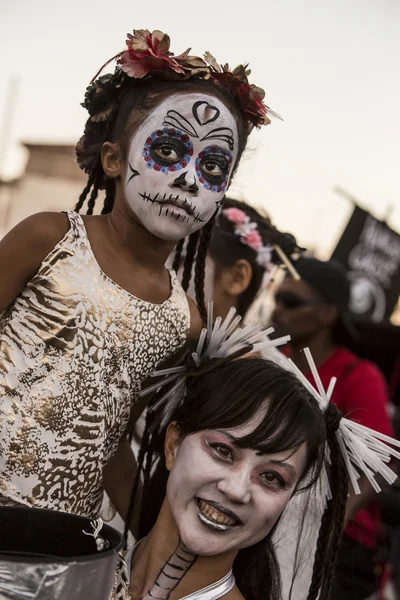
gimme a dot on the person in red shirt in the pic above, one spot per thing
(314, 311)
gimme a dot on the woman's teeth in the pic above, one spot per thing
(215, 515)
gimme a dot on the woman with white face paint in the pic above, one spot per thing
(87, 308)
(245, 439)
(237, 436)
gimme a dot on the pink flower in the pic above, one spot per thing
(235, 215)
(254, 240)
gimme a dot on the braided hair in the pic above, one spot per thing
(226, 248)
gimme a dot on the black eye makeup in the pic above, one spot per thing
(212, 168)
(272, 479)
(222, 451)
(167, 150)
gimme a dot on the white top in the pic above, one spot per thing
(74, 350)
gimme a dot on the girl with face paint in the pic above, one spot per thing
(87, 308)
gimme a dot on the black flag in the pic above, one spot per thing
(370, 251)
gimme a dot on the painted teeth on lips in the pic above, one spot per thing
(216, 515)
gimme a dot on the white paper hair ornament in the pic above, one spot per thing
(221, 340)
(364, 450)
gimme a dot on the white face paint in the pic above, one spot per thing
(224, 498)
(179, 164)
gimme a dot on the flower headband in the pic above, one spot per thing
(249, 235)
(148, 54)
(278, 251)
(363, 450)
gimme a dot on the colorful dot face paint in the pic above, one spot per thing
(168, 150)
(212, 168)
(179, 164)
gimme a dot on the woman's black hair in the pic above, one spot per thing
(226, 248)
(130, 101)
(224, 398)
(333, 518)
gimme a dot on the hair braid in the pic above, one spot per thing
(92, 198)
(84, 193)
(189, 259)
(319, 560)
(339, 482)
(110, 197)
(333, 517)
(200, 266)
(178, 253)
(144, 447)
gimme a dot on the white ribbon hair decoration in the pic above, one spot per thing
(224, 339)
(364, 450)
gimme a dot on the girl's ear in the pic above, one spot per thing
(111, 159)
(171, 444)
(236, 279)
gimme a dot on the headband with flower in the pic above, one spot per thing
(250, 236)
(148, 55)
(280, 250)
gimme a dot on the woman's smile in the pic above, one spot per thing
(215, 516)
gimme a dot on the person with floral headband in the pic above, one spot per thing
(244, 250)
(87, 308)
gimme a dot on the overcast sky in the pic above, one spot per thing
(331, 69)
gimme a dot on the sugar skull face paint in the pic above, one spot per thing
(224, 498)
(179, 164)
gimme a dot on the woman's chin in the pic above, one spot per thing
(199, 546)
(201, 543)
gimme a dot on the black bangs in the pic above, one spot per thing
(233, 394)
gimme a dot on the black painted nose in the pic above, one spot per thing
(180, 182)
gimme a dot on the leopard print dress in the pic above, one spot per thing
(74, 350)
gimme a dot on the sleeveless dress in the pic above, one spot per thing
(74, 350)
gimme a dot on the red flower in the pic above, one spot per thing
(149, 51)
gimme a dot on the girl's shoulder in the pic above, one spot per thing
(44, 228)
(23, 249)
(29, 242)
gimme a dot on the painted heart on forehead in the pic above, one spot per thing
(204, 112)
(179, 164)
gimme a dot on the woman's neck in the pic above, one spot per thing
(164, 569)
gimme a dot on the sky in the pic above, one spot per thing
(330, 68)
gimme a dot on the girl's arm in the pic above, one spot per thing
(23, 249)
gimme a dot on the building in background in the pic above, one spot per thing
(52, 181)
